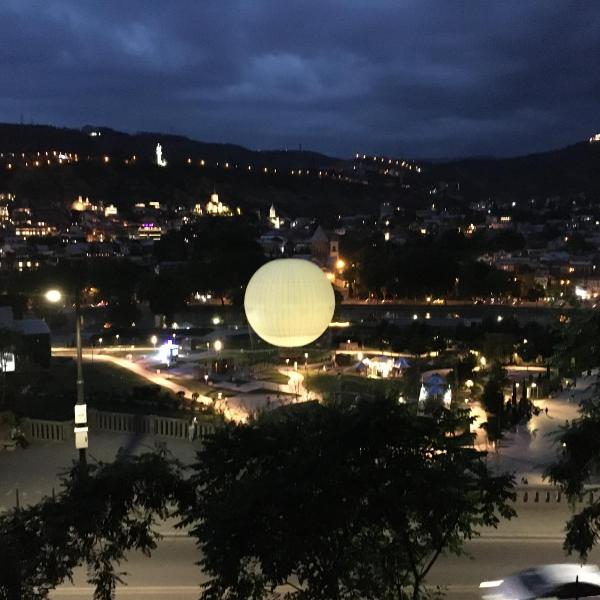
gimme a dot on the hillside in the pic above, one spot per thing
(49, 186)
(34, 138)
(197, 168)
(569, 170)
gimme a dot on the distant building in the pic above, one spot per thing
(81, 204)
(435, 391)
(273, 218)
(30, 341)
(39, 229)
(147, 231)
(595, 138)
(216, 208)
(386, 210)
(324, 247)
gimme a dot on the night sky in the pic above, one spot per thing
(407, 78)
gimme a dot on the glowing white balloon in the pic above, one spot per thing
(289, 302)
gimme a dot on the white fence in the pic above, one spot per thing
(113, 422)
(41, 429)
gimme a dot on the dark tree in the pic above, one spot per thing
(579, 348)
(328, 500)
(123, 313)
(166, 294)
(578, 461)
(492, 400)
(101, 513)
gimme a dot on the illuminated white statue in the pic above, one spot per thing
(160, 161)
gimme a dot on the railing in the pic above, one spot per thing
(41, 429)
(113, 422)
(551, 495)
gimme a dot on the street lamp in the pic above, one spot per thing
(218, 346)
(53, 296)
(306, 373)
(153, 341)
(80, 426)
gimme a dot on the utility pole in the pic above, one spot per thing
(81, 427)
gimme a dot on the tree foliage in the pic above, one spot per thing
(577, 462)
(330, 502)
(579, 348)
(102, 512)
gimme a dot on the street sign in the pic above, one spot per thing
(80, 414)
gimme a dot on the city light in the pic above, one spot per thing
(218, 345)
(53, 296)
(167, 353)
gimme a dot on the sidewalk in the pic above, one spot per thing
(532, 447)
(34, 471)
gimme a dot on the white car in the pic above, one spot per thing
(564, 581)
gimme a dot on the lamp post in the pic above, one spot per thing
(80, 413)
(218, 346)
(306, 373)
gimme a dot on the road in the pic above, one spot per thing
(535, 537)
(177, 578)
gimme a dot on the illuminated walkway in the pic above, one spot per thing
(235, 408)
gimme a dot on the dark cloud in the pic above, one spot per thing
(439, 78)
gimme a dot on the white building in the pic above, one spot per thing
(216, 208)
(435, 391)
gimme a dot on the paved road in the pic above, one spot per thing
(177, 578)
(535, 537)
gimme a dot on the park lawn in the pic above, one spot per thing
(272, 375)
(51, 393)
(100, 377)
(328, 384)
